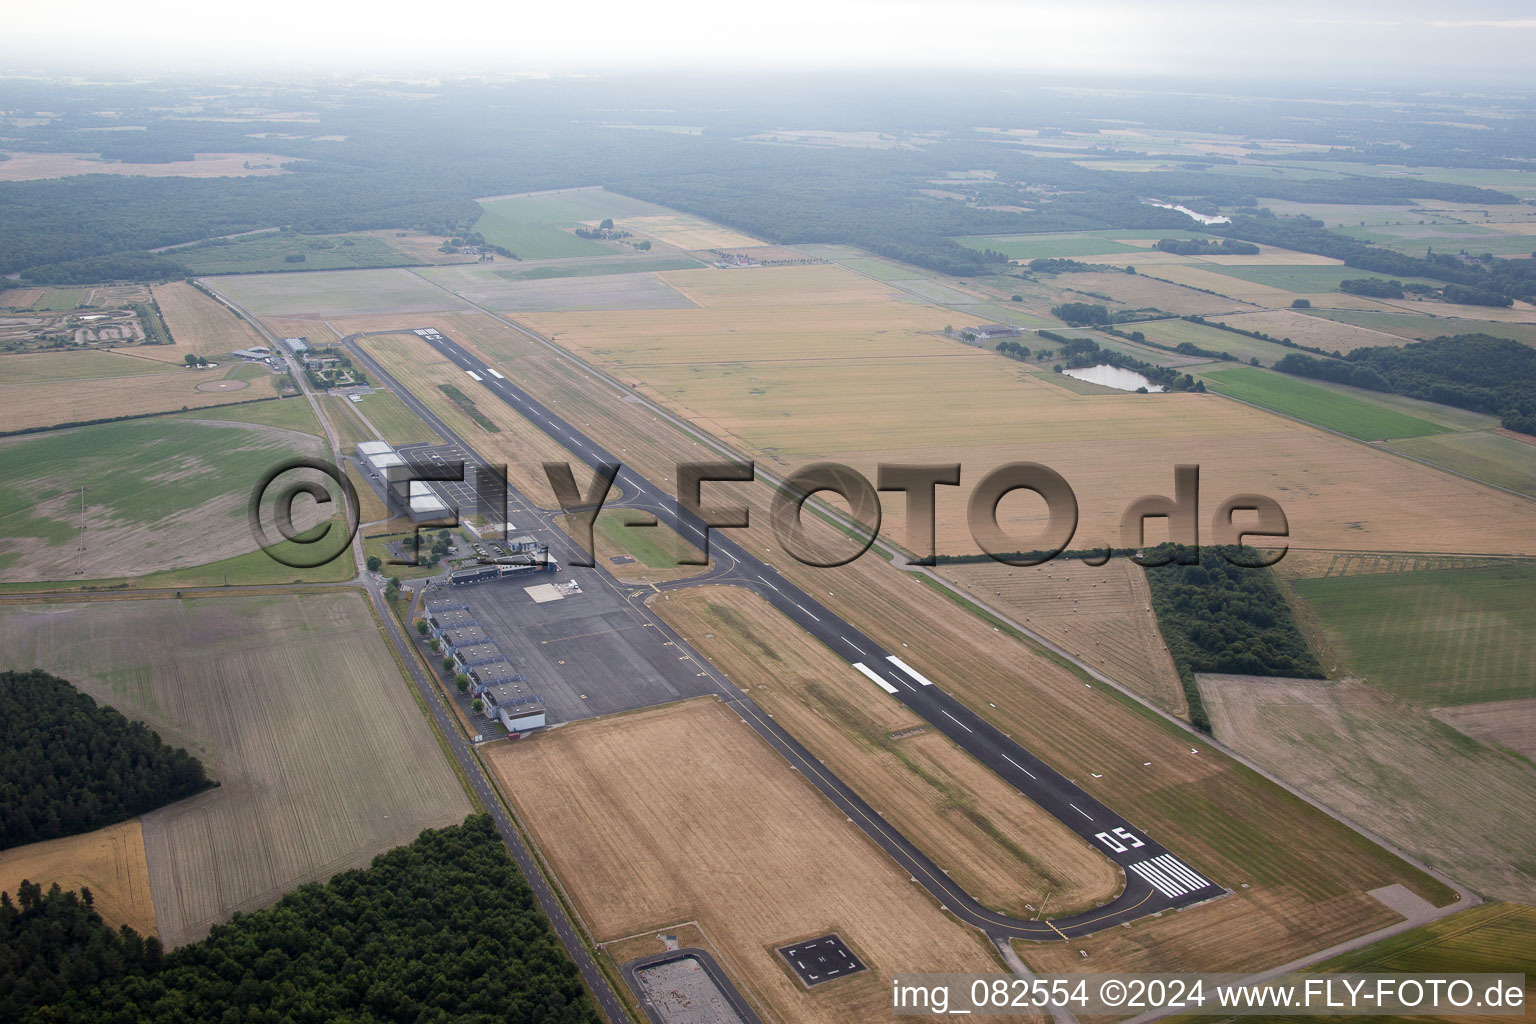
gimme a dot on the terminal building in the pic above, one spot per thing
(385, 470)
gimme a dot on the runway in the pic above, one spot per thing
(1156, 879)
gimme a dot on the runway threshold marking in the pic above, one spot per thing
(475, 375)
(887, 687)
(909, 670)
(493, 373)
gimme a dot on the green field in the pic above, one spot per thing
(1307, 280)
(1498, 459)
(599, 268)
(287, 413)
(1476, 239)
(399, 425)
(880, 270)
(1416, 326)
(1355, 417)
(266, 253)
(1067, 244)
(656, 547)
(60, 299)
(1441, 637)
(538, 227)
(1177, 332)
(335, 293)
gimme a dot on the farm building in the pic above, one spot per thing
(986, 332)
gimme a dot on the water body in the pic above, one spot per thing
(1201, 217)
(1113, 377)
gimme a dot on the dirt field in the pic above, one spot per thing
(199, 324)
(31, 166)
(1461, 807)
(1003, 849)
(110, 862)
(283, 729)
(1104, 611)
(680, 813)
(1506, 723)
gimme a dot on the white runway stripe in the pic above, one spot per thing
(475, 375)
(1151, 874)
(909, 670)
(1168, 862)
(887, 687)
(493, 373)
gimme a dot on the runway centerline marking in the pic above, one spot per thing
(961, 724)
(850, 643)
(1020, 767)
(1079, 810)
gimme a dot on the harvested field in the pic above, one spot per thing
(20, 298)
(1441, 637)
(24, 166)
(79, 401)
(1315, 331)
(87, 364)
(685, 231)
(281, 730)
(488, 288)
(1463, 808)
(1510, 724)
(331, 293)
(110, 862)
(1140, 291)
(1107, 608)
(681, 813)
(1003, 849)
(1418, 326)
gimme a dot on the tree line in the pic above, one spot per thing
(69, 765)
(442, 930)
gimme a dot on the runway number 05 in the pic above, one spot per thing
(1112, 839)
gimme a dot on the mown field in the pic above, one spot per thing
(1177, 332)
(1003, 849)
(270, 252)
(681, 814)
(199, 325)
(282, 697)
(333, 293)
(1451, 636)
(653, 553)
(398, 424)
(110, 862)
(1292, 397)
(161, 493)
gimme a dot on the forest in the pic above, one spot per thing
(69, 765)
(1218, 615)
(1469, 371)
(442, 930)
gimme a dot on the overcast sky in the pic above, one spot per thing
(1476, 41)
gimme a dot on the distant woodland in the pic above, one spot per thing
(442, 930)
(1469, 371)
(69, 765)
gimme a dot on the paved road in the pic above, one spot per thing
(1156, 879)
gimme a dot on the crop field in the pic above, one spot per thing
(681, 814)
(1071, 244)
(1005, 850)
(516, 443)
(685, 231)
(1453, 636)
(396, 423)
(634, 264)
(199, 325)
(1103, 613)
(1139, 291)
(161, 493)
(281, 729)
(84, 364)
(1473, 238)
(1461, 807)
(846, 372)
(1304, 328)
(1284, 394)
(269, 252)
(1416, 326)
(540, 225)
(1176, 332)
(1495, 457)
(489, 288)
(333, 293)
(1510, 724)
(1251, 287)
(110, 862)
